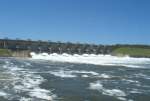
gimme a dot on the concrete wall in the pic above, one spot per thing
(22, 54)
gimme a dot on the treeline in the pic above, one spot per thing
(60, 47)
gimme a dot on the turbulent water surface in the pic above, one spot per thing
(44, 80)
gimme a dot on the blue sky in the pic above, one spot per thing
(85, 21)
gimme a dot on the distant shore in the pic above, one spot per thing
(22, 48)
(132, 52)
(10, 53)
(120, 52)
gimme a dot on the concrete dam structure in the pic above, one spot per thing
(22, 48)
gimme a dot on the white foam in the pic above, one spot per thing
(76, 55)
(27, 82)
(85, 76)
(114, 92)
(31, 82)
(96, 86)
(131, 81)
(119, 94)
(93, 59)
(25, 99)
(135, 91)
(72, 73)
(41, 93)
(63, 74)
(3, 94)
(105, 76)
(85, 72)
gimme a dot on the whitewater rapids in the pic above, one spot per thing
(45, 80)
(93, 59)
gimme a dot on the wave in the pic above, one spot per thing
(117, 93)
(3, 94)
(76, 73)
(24, 81)
(93, 59)
(72, 73)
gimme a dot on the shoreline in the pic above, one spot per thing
(22, 56)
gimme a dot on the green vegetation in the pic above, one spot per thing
(132, 51)
(5, 53)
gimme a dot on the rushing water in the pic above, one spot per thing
(43, 80)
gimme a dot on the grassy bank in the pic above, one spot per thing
(133, 52)
(10, 53)
(5, 53)
(121, 51)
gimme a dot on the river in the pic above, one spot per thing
(44, 80)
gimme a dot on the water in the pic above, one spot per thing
(44, 80)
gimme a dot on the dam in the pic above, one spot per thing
(24, 47)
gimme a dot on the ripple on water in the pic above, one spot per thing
(117, 93)
(26, 83)
(74, 73)
(23, 81)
